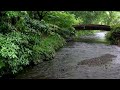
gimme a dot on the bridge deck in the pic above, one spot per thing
(92, 27)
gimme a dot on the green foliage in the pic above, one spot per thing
(21, 25)
(46, 49)
(8, 48)
(32, 25)
(14, 51)
(40, 26)
(28, 41)
(38, 15)
(61, 19)
(1, 64)
(112, 37)
(66, 32)
(6, 28)
(12, 13)
(15, 13)
(97, 17)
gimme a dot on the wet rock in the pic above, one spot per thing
(102, 60)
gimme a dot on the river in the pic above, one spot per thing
(86, 59)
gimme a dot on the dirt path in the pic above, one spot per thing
(79, 60)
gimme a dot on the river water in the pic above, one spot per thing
(90, 58)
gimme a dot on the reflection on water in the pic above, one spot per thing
(96, 38)
(101, 34)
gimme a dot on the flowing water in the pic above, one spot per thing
(86, 59)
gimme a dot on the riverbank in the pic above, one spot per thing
(79, 60)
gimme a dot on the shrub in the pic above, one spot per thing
(112, 37)
(14, 52)
(6, 28)
(31, 41)
(61, 19)
(46, 49)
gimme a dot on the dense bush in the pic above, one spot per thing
(61, 19)
(46, 49)
(13, 52)
(112, 36)
(28, 41)
(66, 32)
(6, 28)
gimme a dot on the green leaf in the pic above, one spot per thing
(1, 64)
